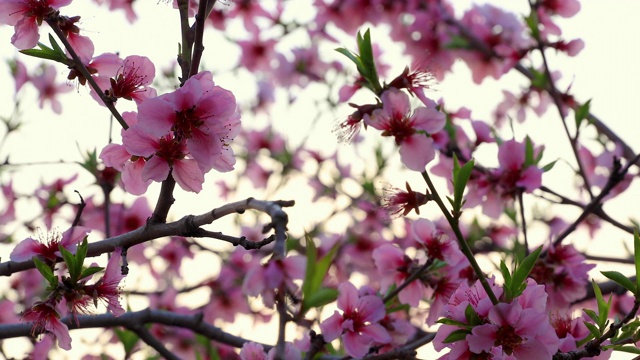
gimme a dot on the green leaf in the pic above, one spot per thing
(320, 297)
(457, 42)
(315, 273)
(45, 271)
(55, 45)
(45, 52)
(528, 159)
(523, 270)
(471, 316)
(448, 321)
(90, 271)
(620, 279)
(591, 314)
(624, 348)
(582, 112)
(366, 57)
(506, 274)
(457, 335)
(592, 329)
(71, 262)
(532, 23)
(461, 176)
(128, 339)
(549, 166)
(636, 257)
(81, 254)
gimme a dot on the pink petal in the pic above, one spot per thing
(156, 115)
(115, 156)
(132, 177)
(356, 345)
(188, 175)
(332, 327)
(428, 119)
(396, 103)
(25, 250)
(138, 142)
(348, 296)
(26, 35)
(377, 332)
(511, 155)
(155, 169)
(417, 151)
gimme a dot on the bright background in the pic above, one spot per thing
(605, 71)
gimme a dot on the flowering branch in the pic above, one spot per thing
(85, 73)
(183, 227)
(617, 175)
(133, 319)
(152, 341)
(464, 246)
(593, 347)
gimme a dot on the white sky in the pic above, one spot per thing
(607, 70)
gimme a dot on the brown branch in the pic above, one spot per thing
(182, 227)
(204, 8)
(85, 73)
(152, 341)
(132, 320)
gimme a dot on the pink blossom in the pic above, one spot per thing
(48, 89)
(257, 53)
(523, 333)
(27, 16)
(124, 5)
(502, 32)
(45, 318)
(400, 203)
(497, 188)
(48, 248)
(169, 156)
(564, 274)
(394, 268)
(252, 351)
(359, 322)
(264, 279)
(409, 129)
(107, 289)
(132, 80)
(199, 113)
(564, 8)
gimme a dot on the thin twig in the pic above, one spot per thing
(79, 65)
(152, 341)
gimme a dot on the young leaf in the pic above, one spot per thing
(471, 316)
(456, 335)
(460, 179)
(620, 279)
(321, 297)
(636, 258)
(592, 329)
(90, 271)
(45, 271)
(448, 321)
(582, 112)
(549, 166)
(366, 57)
(522, 272)
(71, 262)
(528, 159)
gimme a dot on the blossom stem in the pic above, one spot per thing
(184, 58)
(416, 274)
(524, 223)
(462, 242)
(85, 73)
(204, 8)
